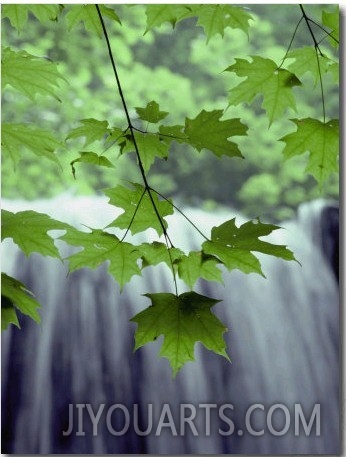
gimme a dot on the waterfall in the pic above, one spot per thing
(283, 340)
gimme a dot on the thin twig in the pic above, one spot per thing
(140, 163)
(321, 85)
(330, 34)
(181, 212)
(306, 18)
(291, 42)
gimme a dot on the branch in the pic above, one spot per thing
(310, 30)
(130, 126)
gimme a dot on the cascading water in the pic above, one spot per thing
(283, 340)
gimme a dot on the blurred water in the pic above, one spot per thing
(283, 340)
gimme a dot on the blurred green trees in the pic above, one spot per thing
(184, 75)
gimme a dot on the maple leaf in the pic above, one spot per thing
(306, 60)
(100, 246)
(156, 252)
(28, 229)
(209, 132)
(91, 158)
(332, 20)
(16, 137)
(149, 146)
(151, 113)
(87, 14)
(215, 18)
(263, 77)
(31, 75)
(321, 140)
(137, 203)
(198, 265)
(171, 133)
(92, 129)
(234, 245)
(158, 14)
(183, 320)
(14, 295)
(18, 14)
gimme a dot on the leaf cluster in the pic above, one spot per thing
(182, 318)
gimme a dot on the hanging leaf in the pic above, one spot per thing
(14, 295)
(234, 245)
(18, 14)
(98, 247)
(92, 158)
(159, 14)
(263, 77)
(30, 75)
(139, 214)
(198, 265)
(306, 60)
(150, 146)
(183, 320)
(320, 140)
(18, 137)
(28, 229)
(155, 253)
(216, 18)
(171, 133)
(332, 21)
(87, 14)
(92, 129)
(209, 132)
(151, 113)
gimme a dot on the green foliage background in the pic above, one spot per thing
(176, 68)
(274, 133)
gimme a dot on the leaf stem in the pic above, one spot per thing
(173, 137)
(133, 217)
(318, 55)
(140, 164)
(290, 44)
(307, 20)
(330, 34)
(182, 213)
(131, 128)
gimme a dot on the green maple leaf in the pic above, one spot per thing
(92, 129)
(149, 146)
(171, 133)
(209, 132)
(137, 203)
(29, 74)
(88, 15)
(16, 296)
(18, 137)
(334, 69)
(264, 78)
(28, 229)
(183, 320)
(198, 265)
(156, 252)
(159, 14)
(100, 246)
(234, 245)
(306, 60)
(215, 18)
(321, 140)
(91, 158)
(18, 14)
(151, 113)
(332, 20)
